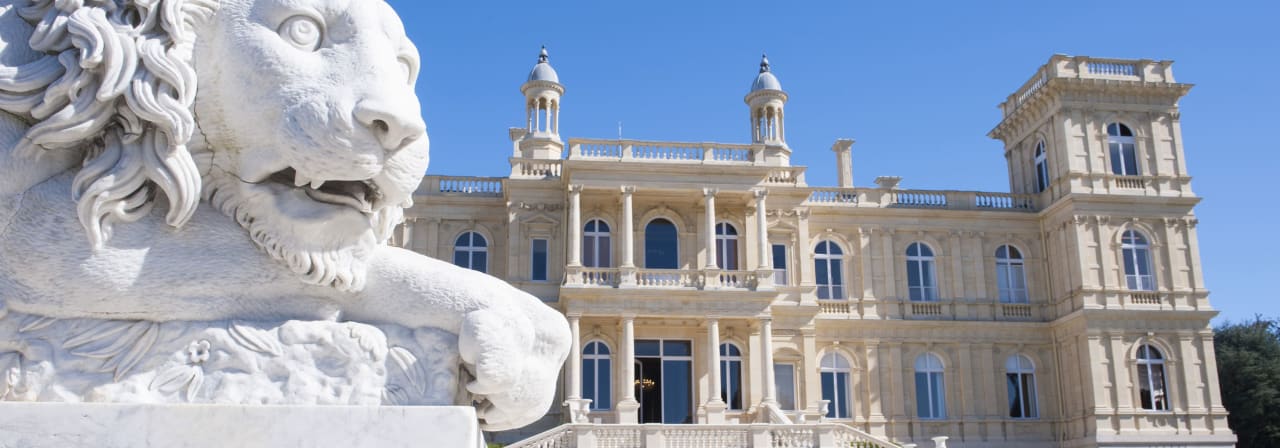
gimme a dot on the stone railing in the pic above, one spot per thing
(1128, 182)
(1084, 67)
(668, 278)
(1145, 298)
(465, 186)
(788, 176)
(535, 169)
(665, 152)
(737, 279)
(599, 276)
(929, 199)
(816, 435)
(965, 309)
(1015, 310)
(836, 307)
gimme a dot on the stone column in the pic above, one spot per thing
(709, 198)
(627, 271)
(766, 346)
(764, 265)
(578, 407)
(575, 226)
(628, 406)
(715, 405)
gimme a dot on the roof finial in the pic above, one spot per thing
(764, 62)
(542, 57)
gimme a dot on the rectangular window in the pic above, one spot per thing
(780, 264)
(538, 259)
(784, 380)
(930, 401)
(1022, 395)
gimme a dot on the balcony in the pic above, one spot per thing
(944, 309)
(690, 279)
(923, 199)
(666, 152)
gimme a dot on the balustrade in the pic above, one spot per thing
(598, 276)
(668, 278)
(833, 196)
(1145, 298)
(737, 279)
(919, 198)
(536, 169)
(1015, 310)
(478, 186)
(1129, 182)
(813, 435)
(833, 307)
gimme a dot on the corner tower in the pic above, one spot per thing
(766, 101)
(542, 91)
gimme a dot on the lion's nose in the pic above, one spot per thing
(393, 130)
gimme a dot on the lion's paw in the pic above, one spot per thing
(514, 360)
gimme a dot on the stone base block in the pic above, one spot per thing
(38, 425)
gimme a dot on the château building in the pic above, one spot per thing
(709, 284)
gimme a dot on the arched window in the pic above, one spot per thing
(1042, 167)
(921, 282)
(835, 384)
(1124, 155)
(471, 251)
(1011, 275)
(731, 375)
(596, 382)
(596, 245)
(1151, 388)
(931, 400)
(1137, 261)
(827, 269)
(661, 245)
(727, 246)
(1020, 376)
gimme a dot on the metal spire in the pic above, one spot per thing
(542, 57)
(764, 62)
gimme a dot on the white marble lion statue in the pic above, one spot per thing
(195, 199)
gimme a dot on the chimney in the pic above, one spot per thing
(844, 162)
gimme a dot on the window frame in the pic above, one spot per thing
(546, 259)
(839, 406)
(1010, 264)
(607, 383)
(597, 241)
(727, 379)
(723, 240)
(1023, 375)
(823, 254)
(933, 376)
(781, 275)
(1135, 251)
(1042, 167)
(927, 278)
(1157, 399)
(471, 249)
(1122, 150)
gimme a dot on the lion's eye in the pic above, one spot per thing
(302, 31)
(406, 65)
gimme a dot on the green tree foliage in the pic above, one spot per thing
(1249, 372)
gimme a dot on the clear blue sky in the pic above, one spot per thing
(915, 83)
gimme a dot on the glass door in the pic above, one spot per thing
(664, 381)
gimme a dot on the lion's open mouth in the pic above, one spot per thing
(362, 195)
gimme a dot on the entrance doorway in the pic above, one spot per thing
(664, 380)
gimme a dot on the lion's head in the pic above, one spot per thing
(296, 117)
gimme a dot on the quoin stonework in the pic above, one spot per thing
(717, 299)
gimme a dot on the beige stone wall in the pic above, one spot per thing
(1081, 326)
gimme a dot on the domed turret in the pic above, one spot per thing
(543, 71)
(765, 80)
(766, 100)
(542, 91)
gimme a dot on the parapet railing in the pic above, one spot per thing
(937, 309)
(665, 152)
(1085, 67)
(930, 199)
(812, 435)
(464, 186)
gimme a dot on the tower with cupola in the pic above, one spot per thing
(766, 101)
(542, 90)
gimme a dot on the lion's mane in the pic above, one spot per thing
(116, 83)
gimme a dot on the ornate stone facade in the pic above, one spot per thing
(1070, 312)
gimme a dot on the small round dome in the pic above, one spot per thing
(543, 71)
(765, 80)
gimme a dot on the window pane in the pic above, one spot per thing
(923, 410)
(605, 259)
(589, 381)
(460, 259)
(1029, 396)
(539, 260)
(1117, 162)
(836, 274)
(648, 348)
(926, 274)
(677, 392)
(829, 392)
(730, 260)
(676, 348)
(1015, 401)
(842, 395)
(479, 261)
(820, 272)
(1002, 279)
(661, 245)
(1144, 386)
(1159, 398)
(913, 274)
(939, 395)
(1130, 159)
(784, 379)
(779, 256)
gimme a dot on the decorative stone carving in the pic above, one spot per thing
(236, 232)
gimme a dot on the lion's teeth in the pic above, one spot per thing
(299, 180)
(315, 184)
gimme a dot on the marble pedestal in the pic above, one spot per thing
(142, 425)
